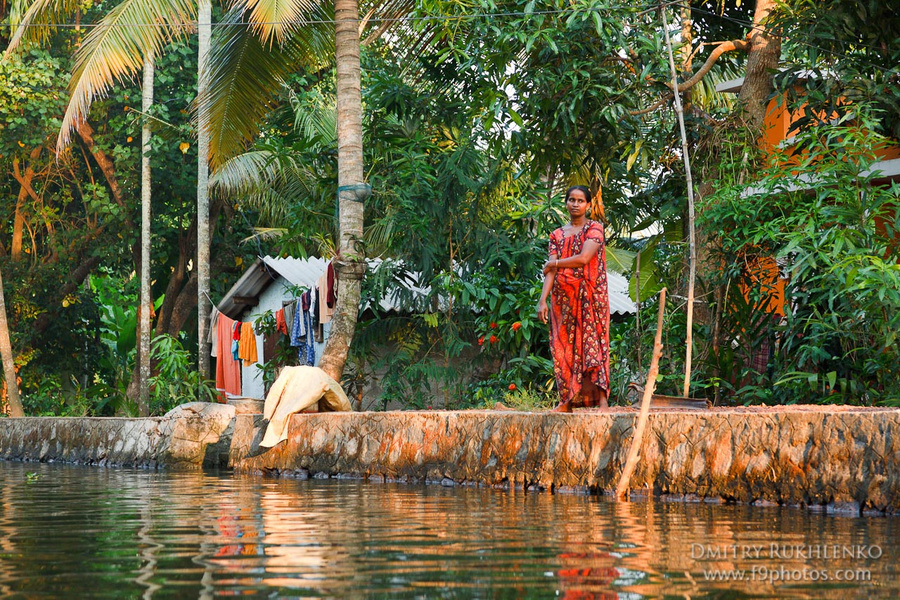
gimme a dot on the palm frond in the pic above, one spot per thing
(276, 20)
(246, 172)
(32, 25)
(265, 234)
(246, 76)
(317, 122)
(115, 50)
(265, 180)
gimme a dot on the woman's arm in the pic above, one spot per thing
(588, 252)
(549, 275)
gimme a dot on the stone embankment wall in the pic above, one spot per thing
(190, 437)
(837, 458)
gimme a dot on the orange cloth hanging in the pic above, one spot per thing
(247, 347)
(228, 370)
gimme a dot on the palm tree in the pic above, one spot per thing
(248, 65)
(146, 301)
(351, 264)
(204, 26)
(33, 27)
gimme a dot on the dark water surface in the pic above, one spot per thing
(80, 532)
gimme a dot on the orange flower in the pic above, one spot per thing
(493, 339)
(493, 326)
(512, 387)
(481, 340)
(517, 325)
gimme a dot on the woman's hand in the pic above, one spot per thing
(542, 310)
(550, 266)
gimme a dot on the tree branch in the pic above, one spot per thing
(721, 48)
(729, 46)
(652, 107)
(86, 132)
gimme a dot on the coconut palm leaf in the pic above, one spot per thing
(115, 50)
(248, 65)
(246, 76)
(276, 20)
(31, 23)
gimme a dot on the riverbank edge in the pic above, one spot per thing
(833, 459)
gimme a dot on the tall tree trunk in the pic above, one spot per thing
(765, 50)
(24, 188)
(146, 301)
(204, 27)
(9, 367)
(687, 38)
(350, 265)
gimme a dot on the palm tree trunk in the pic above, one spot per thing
(9, 368)
(350, 265)
(204, 28)
(146, 302)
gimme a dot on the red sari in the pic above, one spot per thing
(579, 317)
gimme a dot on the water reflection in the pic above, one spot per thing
(122, 533)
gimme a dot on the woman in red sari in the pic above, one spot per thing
(575, 281)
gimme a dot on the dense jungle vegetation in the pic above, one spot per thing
(476, 115)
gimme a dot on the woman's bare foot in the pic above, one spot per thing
(564, 407)
(604, 400)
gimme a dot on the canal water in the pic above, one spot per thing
(82, 532)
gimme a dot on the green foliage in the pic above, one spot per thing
(818, 210)
(30, 100)
(843, 59)
(176, 380)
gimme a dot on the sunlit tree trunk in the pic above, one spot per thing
(762, 61)
(351, 265)
(146, 301)
(204, 27)
(9, 368)
(24, 187)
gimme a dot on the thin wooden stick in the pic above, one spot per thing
(637, 302)
(631, 461)
(692, 257)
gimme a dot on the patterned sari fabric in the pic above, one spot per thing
(579, 318)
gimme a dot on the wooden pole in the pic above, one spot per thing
(637, 302)
(631, 461)
(692, 257)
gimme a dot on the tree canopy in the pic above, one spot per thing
(476, 115)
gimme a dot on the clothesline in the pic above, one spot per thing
(301, 320)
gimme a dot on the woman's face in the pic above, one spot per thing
(576, 203)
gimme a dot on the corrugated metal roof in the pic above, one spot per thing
(619, 301)
(305, 272)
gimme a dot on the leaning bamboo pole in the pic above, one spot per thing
(692, 256)
(631, 461)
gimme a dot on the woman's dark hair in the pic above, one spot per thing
(583, 188)
(596, 204)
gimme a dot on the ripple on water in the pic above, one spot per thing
(74, 531)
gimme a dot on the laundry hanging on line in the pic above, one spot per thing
(233, 343)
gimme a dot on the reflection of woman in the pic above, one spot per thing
(579, 307)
